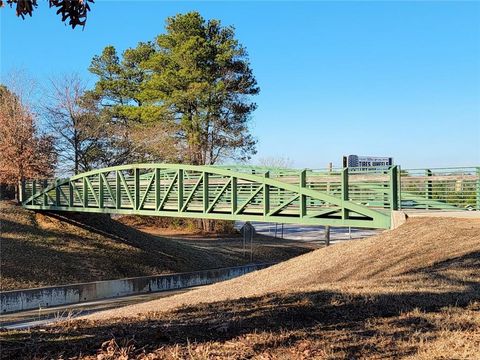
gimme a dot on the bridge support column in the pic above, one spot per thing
(327, 235)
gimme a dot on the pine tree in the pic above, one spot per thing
(195, 80)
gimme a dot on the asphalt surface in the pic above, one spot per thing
(313, 234)
(31, 318)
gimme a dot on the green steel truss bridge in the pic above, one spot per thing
(311, 197)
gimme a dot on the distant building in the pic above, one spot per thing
(367, 162)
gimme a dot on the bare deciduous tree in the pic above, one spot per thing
(280, 162)
(73, 120)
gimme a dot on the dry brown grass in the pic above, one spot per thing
(418, 244)
(178, 226)
(412, 293)
(41, 250)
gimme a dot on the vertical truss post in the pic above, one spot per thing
(205, 193)
(118, 190)
(101, 200)
(157, 188)
(21, 192)
(57, 193)
(393, 191)
(428, 187)
(478, 189)
(399, 187)
(136, 188)
(345, 195)
(234, 195)
(85, 192)
(70, 193)
(180, 189)
(303, 198)
(266, 196)
(45, 196)
(34, 190)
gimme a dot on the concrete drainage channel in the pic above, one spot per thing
(29, 299)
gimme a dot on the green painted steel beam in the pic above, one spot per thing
(365, 223)
(277, 203)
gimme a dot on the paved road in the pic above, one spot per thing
(314, 234)
(27, 319)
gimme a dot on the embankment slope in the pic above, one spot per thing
(411, 293)
(406, 255)
(52, 249)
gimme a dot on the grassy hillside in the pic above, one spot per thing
(40, 250)
(409, 293)
(431, 253)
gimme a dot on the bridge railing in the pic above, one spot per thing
(30, 187)
(369, 187)
(336, 197)
(423, 189)
(440, 188)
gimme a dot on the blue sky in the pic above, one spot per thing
(371, 78)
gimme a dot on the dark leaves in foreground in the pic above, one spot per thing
(75, 11)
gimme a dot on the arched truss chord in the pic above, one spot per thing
(206, 192)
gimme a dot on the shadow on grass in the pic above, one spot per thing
(341, 320)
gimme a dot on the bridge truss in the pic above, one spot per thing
(209, 192)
